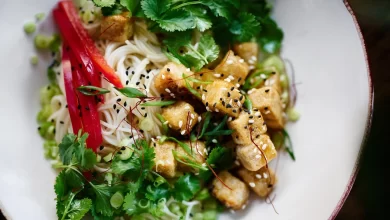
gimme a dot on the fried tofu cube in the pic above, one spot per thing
(117, 28)
(221, 96)
(274, 82)
(235, 198)
(247, 125)
(261, 181)
(252, 158)
(165, 163)
(249, 51)
(181, 116)
(170, 80)
(267, 100)
(199, 153)
(232, 69)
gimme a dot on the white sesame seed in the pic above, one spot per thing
(203, 97)
(272, 81)
(283, 105)
(264, 146)
(188, 69)
(251, 121)
(162, 76)
(257, 114)
(173, 95)
(237, 85)
(253, 58)
(199, 119)
(239, 104)
(187, 107)
(217, 75)
(224, 89)
(158, 137)
(154, 140)
(191, 122)
(192, 116)
(230, 119)
(204, 164)
(237, 162)
(166, 122)
(207, 108)
(231, 77)
(265, 175)
(227, 80)
(251, 67)
(252, 184)
(258, 156)
(228, 62)
(263, 76)
(243, 207)
(251, 61)
(215, 123)
(267, 112)
(232, 211)
(169, 126)
(214, 141)
(241, 60)
(180, 123)
(216, 110)
(255, 150)
(266, 83)
(250, 91)
(231, 102)
(167, 90)
(183, 132)
(258, 176)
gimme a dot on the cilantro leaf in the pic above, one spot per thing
(154, 9)
(59, 186)
(176, 20)
(131, 5)
(156, 193)
(221, 8)
(271, 36)
(186, 187)
(220, 158)
(244, 27)
(66, 148)
(208, 48)
(201, 19)
(79, 208)
(104, 3)
(102, 199)
(130, 204)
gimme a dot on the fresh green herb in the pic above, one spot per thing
(293, 114)
(102, 199)
(132, 5)
(219, 133)
(51, 74)
(186, 187)
(196, 80)
(158, 103)
(73, 149)
(113, 10)
(40, 16)
(271, 36)
(183, 145)
(248, 104)
(220, 158)
(116, 200)
(184, 159)
(29, 27)
(92, 90)
(131, 92)
(43, 41)
(55, 43)
(206, 123)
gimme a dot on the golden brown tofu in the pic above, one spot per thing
(181, 116)
(234, 198)
(252, 158)
(165, 163)
(170, 80)
(247, 124)
(267, 99)
(261, 181)
(198, 150)
(274, 82)
(117, 28)
(249, 51)
(232, 69)
(221, 96)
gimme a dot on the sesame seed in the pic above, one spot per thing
(267, 90)
(114, 106)
(267, 112)
(230, 119)
(250, 91)
(203, 97)
(118, 110)
(207, 108)
(237, 85)
(199, 119)
(125, 104)
(162, 76)
(252, 184)
(223, 103)
(251, 121)
(215, 104)
(258, 176)
(192, 116)
(183, 132)
(241, 61)
(167, 90)
(166, 122)
(265, 175)
(239, 79)
(258, 156)
(217, 75)
(188, 69)
(214, 141)
(191, 122)
(227, 80)
(146, 115)
(127, 82)
(137, 83)
(234, 110)
(243, 207)
(132, 72)
(228, 62)
(204, 90)
(207, 103)
(237, 162)
(216, 110)
(180, 124)
(264, 146)
(168, 69)
(187, 107)
(231, 89)
(228, 94)
(61, 122)
(257, 114)
(101, 147)
(241, 97)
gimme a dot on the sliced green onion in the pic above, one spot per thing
(192, 90)
(131, 92)
(278, 139)
(126, 153)
(92, 90)
(159, 180)
(34, 60)
(210, 215)
(29, 27)
(210, 204)
(116, 200)
(108, 178)
(196, 80)
(206, 123)
(274, 61)
(187, 161)
(45, 113)
(40, 16)
(183, 145)
(158, 103)
(144, 203)
(285, 96)
(108, 157)
(284, 81)
(163, 123)
(293, 114)
(42, 41)
(219, 133)
(248, 104)
(198, 216)
(203, 194)
(289, 147)
(98, 158)
(163, 139)
(146, 124)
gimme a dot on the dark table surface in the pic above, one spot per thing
(367, 197)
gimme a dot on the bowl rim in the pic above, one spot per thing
(357, 166)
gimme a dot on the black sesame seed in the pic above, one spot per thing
(79, 107)
(228, 106)
(223, 103)
(234, 110)
(228, 94)
(241, 97)
(132, 72)
(246, 127)
(235, 100)
(137, 83)
(273, 72)
(270, 185)
(66, 106)
(259, 116)
(239, 79)
(198, 87)
(201, 74)
(123, 148)
(222, 75)
(215, 104)
(127, 72)
(255, 109)
(207, 104)
(87, 108)
(142, 75)
(147, 77)
(131, 136)
(101, 147)
(146, 115)
(127, 68)
(142, 131)
(118, 100)
(61, 122)
(143, 108)
(266, 108)
(154, 144)
(81, 65)
(237, 136)
(220, 99)
(90, 22)
(231, 89)
(168, 69)
(54, 131)
(251, 116)
(162, 95)
(127, 82)
(148, 71)
(117, 111)
(52, 121)
(204, 90)
(267, 90)
(119, 152)
(125, 104)
(114, 106)
(39, 128)
(144, 86)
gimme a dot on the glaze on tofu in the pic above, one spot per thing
(170, 80)
(165, 163)
(249, 51)
(232, 69)
(118, 28)
(181, 116)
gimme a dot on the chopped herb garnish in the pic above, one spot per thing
(158, 103)
(92, 90)
(131, 92)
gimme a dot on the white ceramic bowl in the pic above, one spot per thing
(335, 95)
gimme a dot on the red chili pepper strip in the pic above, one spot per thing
(70, 91)
(70, 15)
(88, 107)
